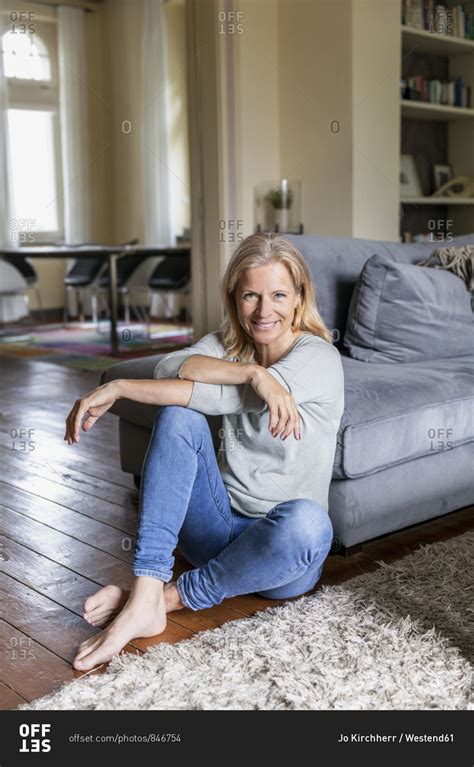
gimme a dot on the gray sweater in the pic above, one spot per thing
(257, 469)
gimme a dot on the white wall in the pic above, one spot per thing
(375, 118)
(315, 90)
(177, 95)
(257, 103)
(121, 35)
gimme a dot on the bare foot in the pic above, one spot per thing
(144, 615)
(105, 604)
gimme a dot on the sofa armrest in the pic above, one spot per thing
(138, 414)
(141, 368)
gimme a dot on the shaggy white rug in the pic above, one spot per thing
(398, 638)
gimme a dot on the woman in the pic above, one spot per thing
(255, 518)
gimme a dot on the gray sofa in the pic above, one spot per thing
(399, 460)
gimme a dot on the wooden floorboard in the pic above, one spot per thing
(9, 698)
(100, 566)
(29, 668)
(43, 620)
(82, 503)
(68, 518)
(37, 427)
(71, 478)
(84, 528)
(55, 454)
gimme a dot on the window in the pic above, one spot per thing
(33, 136)
(25, 57)
(31, 144)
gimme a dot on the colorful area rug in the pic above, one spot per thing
(85, 347)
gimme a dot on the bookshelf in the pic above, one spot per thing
(437, 133)
(436, 201)
(422, 110)
(431, 42)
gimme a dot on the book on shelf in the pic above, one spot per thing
(413, 13)
(454, 93)
(427, 15)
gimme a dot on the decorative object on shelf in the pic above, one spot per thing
(441, 175)
(409, 181)
(278, 206)
(461, 187)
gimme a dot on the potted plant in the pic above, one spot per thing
(280, 198)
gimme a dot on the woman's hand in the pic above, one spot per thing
(94, 404)
(284, 417)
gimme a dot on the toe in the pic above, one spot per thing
(106, 595)
(78, 661)
(99, 617)
(85, 646)
(101, 654)
(92, 603)
(101, 620)
(95, 614)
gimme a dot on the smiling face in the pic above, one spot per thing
(266, 300)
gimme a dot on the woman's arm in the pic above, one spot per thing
(162, 391)
(170, 364)
(200, 367)
(151, 392)
(167, 391)
(283, 415)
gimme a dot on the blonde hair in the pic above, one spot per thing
(259, 250)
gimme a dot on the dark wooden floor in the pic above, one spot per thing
(68, 518)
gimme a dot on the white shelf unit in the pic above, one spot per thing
(460, 120)
(422, 110)
(437, 201)
(431, 42)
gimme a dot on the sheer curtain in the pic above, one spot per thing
(154, 119)
(12, 308)
(154, 122)
(4, 192)
(73, 119)
(74, 131)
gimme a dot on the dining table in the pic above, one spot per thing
(110, 254)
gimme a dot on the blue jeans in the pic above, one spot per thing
(184, 504)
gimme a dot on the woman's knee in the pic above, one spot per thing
(176, 416)
(296, 588)
(307, 523)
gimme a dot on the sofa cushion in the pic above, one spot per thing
(336, 262)
(407, 313)
(394, 413)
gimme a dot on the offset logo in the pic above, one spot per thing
(34, 738)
